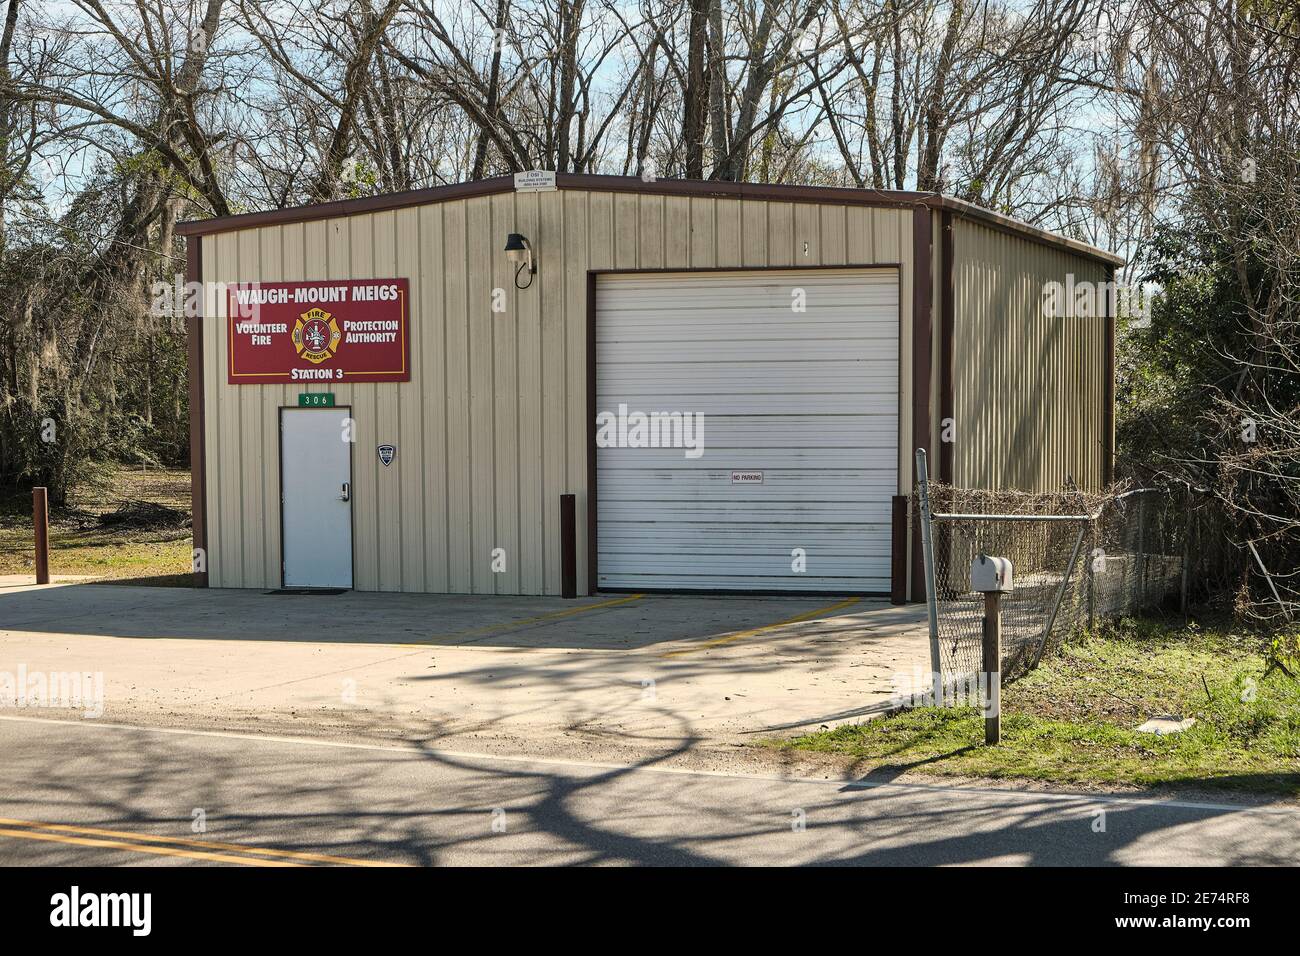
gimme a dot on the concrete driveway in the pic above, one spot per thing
(535, 675)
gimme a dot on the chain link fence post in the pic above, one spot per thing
(927, 550)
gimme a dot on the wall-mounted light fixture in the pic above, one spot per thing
(520, 250)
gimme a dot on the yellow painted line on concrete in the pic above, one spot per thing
(126, 840)
(739, 635)
(137, 848)
(512, 625)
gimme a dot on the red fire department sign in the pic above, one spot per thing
(336, 331)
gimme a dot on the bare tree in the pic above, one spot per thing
(694, 95)
(153, 111)
(1212, 95)
(968, 97)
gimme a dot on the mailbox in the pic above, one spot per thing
(989, 574)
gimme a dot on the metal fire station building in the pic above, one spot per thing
(375, 402)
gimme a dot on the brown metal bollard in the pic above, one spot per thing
(41, 526)
(568, 547)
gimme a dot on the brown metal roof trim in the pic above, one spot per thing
(922, 359)
(346, 207)
(1108, 390)
(947, 344)
(826, 195)
(988, 217)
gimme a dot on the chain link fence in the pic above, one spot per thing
(1076, 557)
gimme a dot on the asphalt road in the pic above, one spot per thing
(101, 794)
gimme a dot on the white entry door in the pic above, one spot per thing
(794, 376)
(316, 497)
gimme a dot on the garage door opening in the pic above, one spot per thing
(792, 378)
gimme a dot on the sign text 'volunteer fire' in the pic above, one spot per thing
(345, 330)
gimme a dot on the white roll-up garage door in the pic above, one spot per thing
(795, 375)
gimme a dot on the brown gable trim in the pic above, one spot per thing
(824, 195)
(1015, 227)
(198, 447)
(347, 207)
(712, 189)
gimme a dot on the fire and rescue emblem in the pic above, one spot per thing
(316, 336)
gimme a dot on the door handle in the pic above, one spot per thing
(347, 492)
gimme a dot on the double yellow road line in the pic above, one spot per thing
(208, 851)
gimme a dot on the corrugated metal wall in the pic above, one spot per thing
(492, 427)
(1028, 389)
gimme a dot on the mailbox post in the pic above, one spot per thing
(992, 577)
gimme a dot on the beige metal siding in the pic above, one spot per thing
(492, 428)
(1028, 389)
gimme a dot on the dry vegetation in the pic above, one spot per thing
(125, 524)
(1073, 720)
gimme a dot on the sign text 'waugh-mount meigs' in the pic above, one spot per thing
(346, 330)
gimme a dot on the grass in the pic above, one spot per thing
(81, 546)
(1071, 721)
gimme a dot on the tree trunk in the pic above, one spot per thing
(494, 88)
(694, 96)
(570, 17)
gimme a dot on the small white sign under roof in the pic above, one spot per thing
(535, 181)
